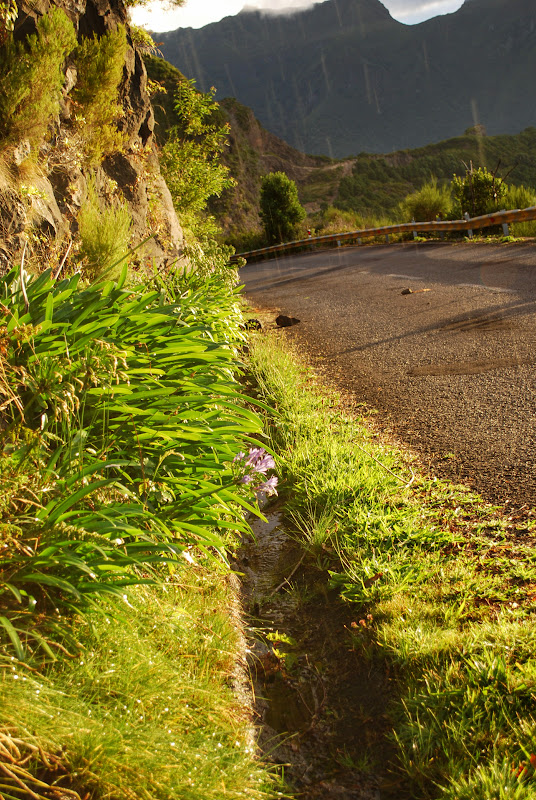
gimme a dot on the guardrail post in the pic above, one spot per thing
(414, 232)
(469, 232)
(338, 242)
(505, 226)
(359, 239)
(386, 238)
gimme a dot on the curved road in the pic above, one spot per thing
(450, 366)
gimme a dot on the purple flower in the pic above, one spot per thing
(255, 466)
(254, 454)
(259, 460)
(269, 486)
(264, 464)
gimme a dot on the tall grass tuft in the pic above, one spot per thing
(104, 235)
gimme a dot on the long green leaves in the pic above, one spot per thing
(128, 417)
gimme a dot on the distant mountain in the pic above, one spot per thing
(343, 76)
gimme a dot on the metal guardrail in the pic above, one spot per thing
(469, 224)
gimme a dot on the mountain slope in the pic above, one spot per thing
(343, 76)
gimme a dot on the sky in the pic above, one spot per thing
(197, 13)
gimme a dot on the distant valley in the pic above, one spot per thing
(344, 77)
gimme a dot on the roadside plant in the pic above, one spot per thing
(427, 203)
(521, 197)
(121, 419)
(478, 192)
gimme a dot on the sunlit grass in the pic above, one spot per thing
(148, 709)
(444, 585)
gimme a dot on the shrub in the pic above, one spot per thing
(427, 203)
(104, 234)
(31, 77)
(478, 192)
(521, 197)
(190, 157)
(335, 220)
(100, 65)
(280, 208)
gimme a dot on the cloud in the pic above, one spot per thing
(196, 13)
(280, 6)
(416, 10)
(399, 9)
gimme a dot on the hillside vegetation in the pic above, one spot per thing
(366, 190)
(378, 183)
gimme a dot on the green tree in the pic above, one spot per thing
(280, 208)
(478, 192)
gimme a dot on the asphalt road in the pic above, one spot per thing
(450, 367)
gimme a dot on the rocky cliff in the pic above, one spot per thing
(44, 184)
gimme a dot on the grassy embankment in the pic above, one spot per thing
(444, 586)
(121, 419)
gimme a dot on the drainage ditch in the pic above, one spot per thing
(320, 704)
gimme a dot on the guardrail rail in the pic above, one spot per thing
(503, 218)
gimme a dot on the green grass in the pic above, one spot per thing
(147, 709)
(446, 582)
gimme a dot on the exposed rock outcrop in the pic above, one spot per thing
(41, 192)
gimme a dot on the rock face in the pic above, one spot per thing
(58, 177)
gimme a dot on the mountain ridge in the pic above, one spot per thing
(343, 76)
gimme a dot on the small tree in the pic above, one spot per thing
(478, 192)
(280, 209)
(190, 159)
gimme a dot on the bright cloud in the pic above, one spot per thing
(197, 13)
(412, 12)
